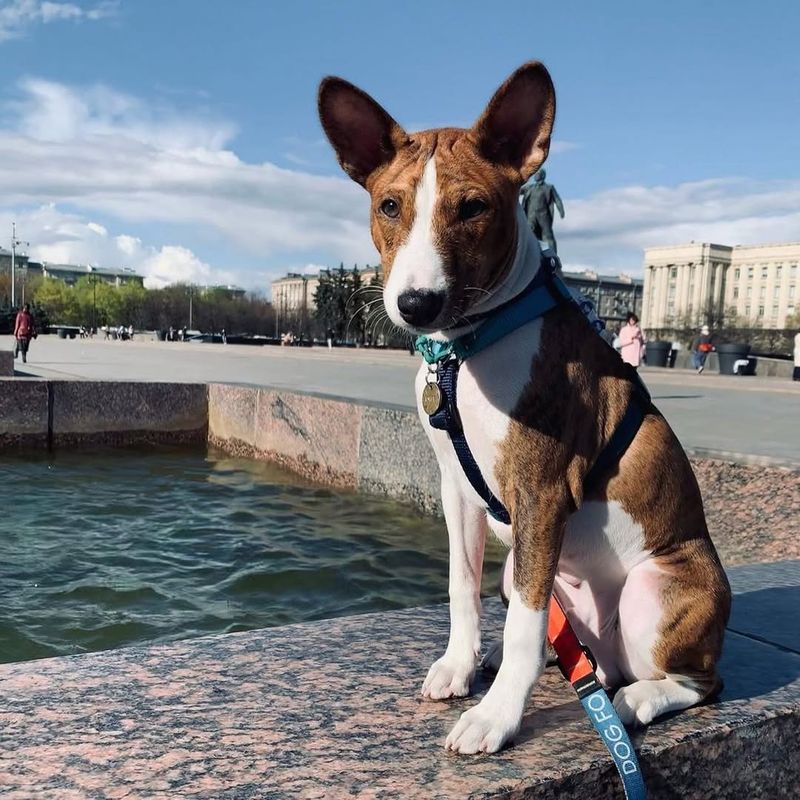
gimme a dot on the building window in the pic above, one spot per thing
(673, 273)
(747, 310)
(750, 272)
(764, 271)
(793, 271)
(736, 293)
(762, 292)
(749, 292)
(776, 292)
(778, 271)
(761, 311)
(775, 310)
(737, 273)
(791, 292)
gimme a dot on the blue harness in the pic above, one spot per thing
(444, 359)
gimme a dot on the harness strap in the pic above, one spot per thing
(447, 419)
(576, 666)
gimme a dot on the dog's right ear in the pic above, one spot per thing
(363, 135)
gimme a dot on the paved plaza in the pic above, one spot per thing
(758, 418)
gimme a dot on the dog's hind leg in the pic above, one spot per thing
(672, 616)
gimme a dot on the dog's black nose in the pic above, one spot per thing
(420, 306)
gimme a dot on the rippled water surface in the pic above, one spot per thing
(103, 549)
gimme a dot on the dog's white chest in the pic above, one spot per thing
(489, 388)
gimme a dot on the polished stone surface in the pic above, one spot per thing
(332, 709)
(6, 362)
(23, 413)
(107, 407)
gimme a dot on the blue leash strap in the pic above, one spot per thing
(603, 716)
(578, 666)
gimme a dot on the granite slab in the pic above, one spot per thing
(6, 363)
(332, 709)
(23, 413)
(127, 412)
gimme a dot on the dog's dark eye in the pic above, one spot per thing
(469, 209)
(390, 208)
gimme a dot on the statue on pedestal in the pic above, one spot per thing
(538, 199)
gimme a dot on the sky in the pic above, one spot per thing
(180, 137)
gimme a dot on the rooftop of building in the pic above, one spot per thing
(88, 269)
(590, 275)
(693, 243)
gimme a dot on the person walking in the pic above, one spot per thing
(24, 331)
(701, 347)
(631, 341)
(796, 371)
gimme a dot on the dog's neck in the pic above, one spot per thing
(526, 263)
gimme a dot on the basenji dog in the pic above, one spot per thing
(631, 561)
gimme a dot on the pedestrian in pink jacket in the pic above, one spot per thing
(631, 340)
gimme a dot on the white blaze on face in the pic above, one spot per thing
(417, 264)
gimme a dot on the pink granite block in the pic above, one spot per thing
(314, 436)
(331, 709)
(232, 415)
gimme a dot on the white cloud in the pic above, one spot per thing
(65, 238)
(612, 228)
(106, 152)
(18, 16)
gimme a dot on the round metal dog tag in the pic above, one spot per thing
(431, 398)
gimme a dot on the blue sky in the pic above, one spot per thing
(181, 137)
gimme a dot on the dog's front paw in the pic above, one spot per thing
(448, 677)
(483, 729)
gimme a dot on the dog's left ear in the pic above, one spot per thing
(515, 128)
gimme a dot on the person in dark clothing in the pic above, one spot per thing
(24, 331)
(701, 347)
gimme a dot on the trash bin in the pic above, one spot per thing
(62, 333)
(729, 354)
(161, 336)
(657, 353)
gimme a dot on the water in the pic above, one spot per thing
(104, 549)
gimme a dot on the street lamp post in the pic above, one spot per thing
(191, 295)
(14, 243)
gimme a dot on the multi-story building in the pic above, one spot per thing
(71, 273)
(296, 291)
(614, 296)
(755, 285)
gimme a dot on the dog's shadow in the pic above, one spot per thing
(761, 657)
(761, 654)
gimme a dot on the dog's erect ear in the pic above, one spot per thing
(515, 128)
(363, 135)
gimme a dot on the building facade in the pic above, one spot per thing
(71, 273)
(295, 291)
(752, 285)
(614, 296)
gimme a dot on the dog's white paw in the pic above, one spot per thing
(635, 704)
(448, 677)
(483, 729)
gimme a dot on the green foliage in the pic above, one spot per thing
(93, 302)
(349, 304)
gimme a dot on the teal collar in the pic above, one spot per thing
(545, 291)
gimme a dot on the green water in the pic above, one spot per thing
(104, 549)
